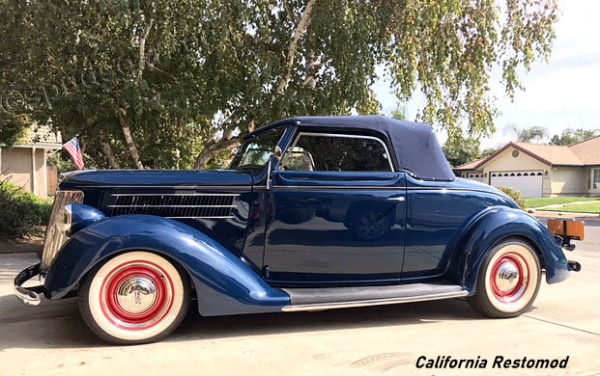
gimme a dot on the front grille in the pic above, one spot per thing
(59, 225)
(195, 205)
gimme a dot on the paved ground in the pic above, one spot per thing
(565, 321)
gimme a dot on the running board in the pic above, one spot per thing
(317, 299)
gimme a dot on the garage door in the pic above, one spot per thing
(529, 183)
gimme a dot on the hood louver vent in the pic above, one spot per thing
(174, 205)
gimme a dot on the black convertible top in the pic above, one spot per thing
(415, 145)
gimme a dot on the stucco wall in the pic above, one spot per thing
(570, 181)
(17, 168)
(506, 162)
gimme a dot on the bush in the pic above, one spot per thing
(21, 211)
(515, 195)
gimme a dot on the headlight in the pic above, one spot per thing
(59, 225)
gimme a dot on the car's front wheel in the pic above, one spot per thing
(134, 297)
(508, 280)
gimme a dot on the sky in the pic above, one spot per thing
(562, 93)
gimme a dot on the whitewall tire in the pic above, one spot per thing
(134, 297)
(508, 281)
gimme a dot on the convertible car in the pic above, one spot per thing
(314, 213)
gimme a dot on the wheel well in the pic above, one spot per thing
(530, 243)
(521, 238)
(179, 266)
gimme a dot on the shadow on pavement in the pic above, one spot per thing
(57, 324)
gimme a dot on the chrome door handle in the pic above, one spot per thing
(399, 199)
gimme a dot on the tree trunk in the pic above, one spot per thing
(293, 48)
(107, 151)
(133, 151)
(214, 148)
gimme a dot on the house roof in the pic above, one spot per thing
(42, 134)
(588, 151)
(585, 153)
(470, 166)
(550, 154)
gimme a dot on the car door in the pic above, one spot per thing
(337, 213)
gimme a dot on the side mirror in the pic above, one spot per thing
(278, 153)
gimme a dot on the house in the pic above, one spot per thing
(540, 170)
(25, 164)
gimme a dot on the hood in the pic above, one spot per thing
(154, 178)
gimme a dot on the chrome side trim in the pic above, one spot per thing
(317, 187)
(376, 302)
(174, 194)
(389, 188)
(171, 206)
(215, 217)
(199, 187)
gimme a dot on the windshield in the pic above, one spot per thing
(256, 151)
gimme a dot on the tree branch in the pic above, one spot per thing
(129, 139)
(214, 148)
(143, 39)
(293, 48)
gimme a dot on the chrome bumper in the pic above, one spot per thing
(28, 295)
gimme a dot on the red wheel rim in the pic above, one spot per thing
(136, 295)
(509, 278)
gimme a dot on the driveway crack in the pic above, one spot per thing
(563, 325)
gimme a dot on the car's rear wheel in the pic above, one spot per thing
(508, 280)
(134, 297)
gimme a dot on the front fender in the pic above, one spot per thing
(224, 284)
(495, 225)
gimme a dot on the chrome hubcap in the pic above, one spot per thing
(507, 277)
(136, 295)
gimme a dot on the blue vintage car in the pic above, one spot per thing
(314, 213)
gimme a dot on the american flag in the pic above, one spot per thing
(72, 147)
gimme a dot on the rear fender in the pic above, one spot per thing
(497, 224)
(224, 284)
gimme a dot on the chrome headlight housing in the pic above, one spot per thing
(59, 225)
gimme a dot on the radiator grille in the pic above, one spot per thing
(175, 205)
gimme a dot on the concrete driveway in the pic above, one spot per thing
(51, 339)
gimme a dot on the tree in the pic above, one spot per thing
(572, 136)
(399, 113)
(12, 128)
(461, 151)
(532, 134)
(151, 83)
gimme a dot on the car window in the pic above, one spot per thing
(256, 151)
(333, 152)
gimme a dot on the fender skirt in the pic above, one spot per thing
(495, 225)
(224, 284)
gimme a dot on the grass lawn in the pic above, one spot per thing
(532, 203)
(584, 207)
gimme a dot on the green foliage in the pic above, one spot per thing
(531, 134)
(461, 151)
(21, 211)
(515, 195)
(12, 128)
(167, 76)
(399, 113)
(572, 136)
